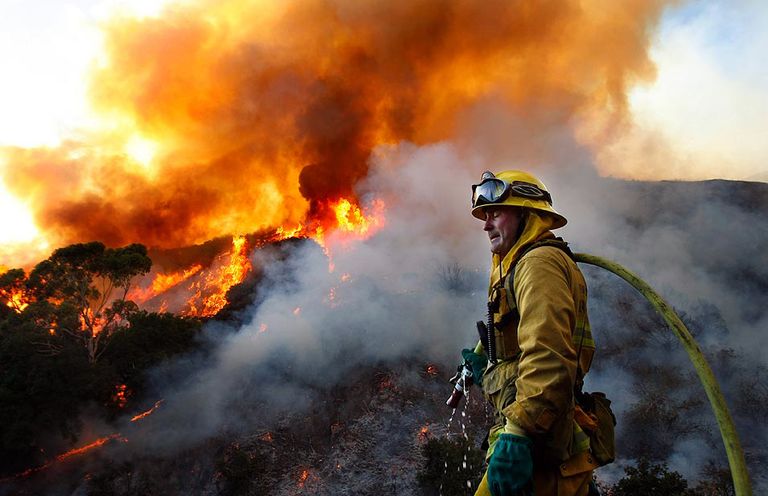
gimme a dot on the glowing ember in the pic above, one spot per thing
(297, 310)
(331, 299)
(346, 277)
(90, 321)
(432, 370)
(424, 433)
(266, 437)
(120, 396)
(386, 383)
(88, 447)
(148, 412)
(122, 391)
(262, 327)
(69, 454)
(303, 477)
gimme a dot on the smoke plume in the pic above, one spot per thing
(259, 114)
(225, 117)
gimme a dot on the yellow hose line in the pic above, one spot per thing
(727, 429)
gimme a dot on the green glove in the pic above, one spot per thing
(510, 468)
(478, 362)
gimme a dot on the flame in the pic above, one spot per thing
(343, 223)
(209, 291)
(303, 477)
(432, 370)
(203, 290)
(147, 413)
(212, 94)
(88, 447)
(161, 283)
(89, 320)
(16, 299)
(120, 396)
(345, 220)
(267, 437)
(350, 219)
(424, 433)
(141, 150)
(69, 454)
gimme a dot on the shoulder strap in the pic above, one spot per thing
(509, 278)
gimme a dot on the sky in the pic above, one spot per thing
(46, 50)
(704, 113)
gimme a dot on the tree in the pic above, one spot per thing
(40, 396)
(78, 283)
(647, 479)
(14, 293)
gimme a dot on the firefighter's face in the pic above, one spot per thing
(502, 224)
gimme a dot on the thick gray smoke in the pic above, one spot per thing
(700, 246)
(412, 292)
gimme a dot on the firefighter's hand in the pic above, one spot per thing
(510, 468)
(479, 363)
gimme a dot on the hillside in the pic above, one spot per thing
(333, 382)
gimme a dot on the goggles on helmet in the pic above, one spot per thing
(494, 190)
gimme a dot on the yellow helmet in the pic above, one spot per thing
(513, 188)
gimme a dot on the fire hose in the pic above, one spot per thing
(725, 422)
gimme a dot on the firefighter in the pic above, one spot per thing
(539, 345)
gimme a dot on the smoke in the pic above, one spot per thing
(697, 245)
(391, 299)
(411, 293)
(225, 117)
(259, 114)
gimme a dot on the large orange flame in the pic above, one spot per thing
(162, 283)
(210, 292)
(206, 288)
(16, 300)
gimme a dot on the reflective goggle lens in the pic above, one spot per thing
(488, 191)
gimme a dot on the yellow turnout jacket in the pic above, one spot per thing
(541, 327)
